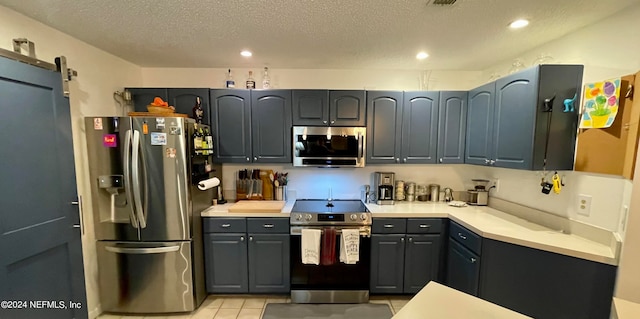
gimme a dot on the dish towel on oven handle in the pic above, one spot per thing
(310, 246)
(350, 246)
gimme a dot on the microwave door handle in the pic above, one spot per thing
(360, 145)
(135, 173)
(127, 178)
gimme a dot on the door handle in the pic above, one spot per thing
(127, 178)
(424, 226)
(268, 226)
(250, 238)
(410, 239)
(80, 211)
(440, 160)
(324, 122)
(397, 160)
(241, 238)
(486, 161)
(137, 195)
(76, 226)
(461, 236)
(404, 160)
(491, 162)
(473, 260)
(225, 225)
(248, 159)
(333, 122)
(142, 251)
(389, 226)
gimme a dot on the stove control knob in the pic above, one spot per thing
(363, 216)
(298, 217)
(307, 217)
(353, 217)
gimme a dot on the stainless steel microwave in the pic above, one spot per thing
(322, 146)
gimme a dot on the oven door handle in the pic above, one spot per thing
(365, 231)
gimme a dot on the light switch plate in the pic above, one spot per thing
(583, 206)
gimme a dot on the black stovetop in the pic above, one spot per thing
(319, 206)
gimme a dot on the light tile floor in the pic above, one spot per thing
(247, 307)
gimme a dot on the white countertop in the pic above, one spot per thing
(483, 220)
(436, 301)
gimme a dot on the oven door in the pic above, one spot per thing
(337, 283)
(329, 146)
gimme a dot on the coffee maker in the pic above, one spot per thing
(383, 186)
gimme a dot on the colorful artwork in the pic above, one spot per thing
(600, 104)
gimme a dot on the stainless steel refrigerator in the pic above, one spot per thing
(146, 210)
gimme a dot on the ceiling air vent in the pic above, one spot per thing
(443, 2)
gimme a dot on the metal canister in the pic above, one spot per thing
(411, 188)
(434, 189)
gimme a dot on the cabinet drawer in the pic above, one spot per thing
(224, 225)
(424, 225)
(268, 225)
(466, 237)
(389, 226)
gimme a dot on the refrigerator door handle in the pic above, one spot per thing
(142, 251)
(127, 178)
(135, 173)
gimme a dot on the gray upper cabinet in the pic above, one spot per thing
(185, 99)
(310, 107)
(347, 108)
(419, 127)
(144, 96)
(520, 121)
(452, 125)
(231, 125)
(323, 107)
(479, 125)
(384, 125)
(271, 126)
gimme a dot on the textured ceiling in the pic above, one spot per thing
(325, 34)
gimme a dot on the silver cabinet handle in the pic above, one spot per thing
(410, 239)
(461, 236)
(225, 225)
(248, 159)
(241, 238)
(397, 160)
(473, 260)
(80, 214)
(402, 239)
(76, 226)
(333, 122)
(486, 161)
(440, 160)
(492, 162)
(324, 122)
(389, 226)
(268, 226)
(404, 160)
(75, 203)
(250, 238)
(424, 226)
(255, 158)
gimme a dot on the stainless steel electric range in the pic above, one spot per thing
(337, 282)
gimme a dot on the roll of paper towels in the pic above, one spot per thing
(208, 183)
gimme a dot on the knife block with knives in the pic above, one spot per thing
(255, 184)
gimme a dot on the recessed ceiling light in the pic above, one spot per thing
(422, 55)
(246, 53)
(520, 23)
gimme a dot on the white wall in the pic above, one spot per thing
(313, 79)
(99, 75)
(615, 54)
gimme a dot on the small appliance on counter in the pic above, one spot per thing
(383, 186)
(479, 196)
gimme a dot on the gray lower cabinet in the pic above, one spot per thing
(247, 255)
(226, 263)
(520, 121)
(463, 268)
(405, 254)
(251, 126)
(402, 127)
(452, 127)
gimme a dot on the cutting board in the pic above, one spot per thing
(257, 206)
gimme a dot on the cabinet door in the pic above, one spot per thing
(271, 126)
(185, 99)
(480, 125)
(452, 126)
(387, 263)
(310, 107)
(144, 96)
(347, 108)
(463, 269)
(421, 261)
(269, 263)
(419, 127)
(384, 127)
(231, 125)
(514, 119)
(226, 263)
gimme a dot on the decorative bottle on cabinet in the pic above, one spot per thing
(266, 81)
(198, 112)
(230, 83)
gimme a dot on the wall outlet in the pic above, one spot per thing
(584, 205)
(496, 185)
